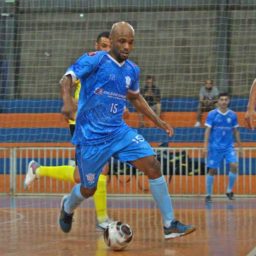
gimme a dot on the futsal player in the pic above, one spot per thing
(221, 127)
(250, 114)
(70, 173)
(107, 81)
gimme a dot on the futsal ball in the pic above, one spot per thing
(118, 235)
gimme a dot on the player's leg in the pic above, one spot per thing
(64, 172)
(100, 200)
(70, 173)
(90, 162)
(142, 156)
(209, 184)
(34, 171)
(214, 158)
(158, 186)
(141, 120)
(232, 159)
(70, 202)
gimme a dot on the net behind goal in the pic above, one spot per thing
(180, 43)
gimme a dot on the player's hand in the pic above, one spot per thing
(165, 126)
(68, 111)
(249, 117)
(126, 113)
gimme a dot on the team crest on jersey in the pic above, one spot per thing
(112, 77)
(229, 120)
(98, 91)
(90, 177)
(91, 53)
(127, 82)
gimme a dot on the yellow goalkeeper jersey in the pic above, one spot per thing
(76, 96)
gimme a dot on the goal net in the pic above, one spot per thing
(180, 43)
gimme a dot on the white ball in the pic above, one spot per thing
(118, 235)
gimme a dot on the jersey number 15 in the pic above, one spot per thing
(113, 108)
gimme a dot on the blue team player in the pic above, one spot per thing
(108, 79)
(221, 126)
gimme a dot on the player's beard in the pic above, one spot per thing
(119, 56)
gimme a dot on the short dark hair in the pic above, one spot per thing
(102, 34)
(150, 77)
(224, 94)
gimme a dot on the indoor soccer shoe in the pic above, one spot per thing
(31, 173)
(103, 224)
(208, 199)
(65, 219)
(230, 195)
(177, 229)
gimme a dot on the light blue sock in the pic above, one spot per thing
(162, 198)
(231, 181)
(209, 184)
(74, 199)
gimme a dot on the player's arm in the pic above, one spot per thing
(142, 106)
(249, 116)
(67, 87)
(85, 65)
(237, 137)
(206, 139)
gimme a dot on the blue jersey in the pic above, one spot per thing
(102, 99)
(222, 125)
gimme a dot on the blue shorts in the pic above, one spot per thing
(126, 147)
(215, 157)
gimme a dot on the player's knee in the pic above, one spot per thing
(105, 170)
(233, 168)
(154, 170)
(87, 192)
(212, 172)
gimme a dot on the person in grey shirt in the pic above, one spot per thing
(208, 96)
(152, 95)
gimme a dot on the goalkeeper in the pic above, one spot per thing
(70, 173)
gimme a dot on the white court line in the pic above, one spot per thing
(19, 217)
(252, 253)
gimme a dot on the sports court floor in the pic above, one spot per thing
(28, 226)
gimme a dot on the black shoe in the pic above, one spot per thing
(230, 195)
(208, 199)
(65, 219)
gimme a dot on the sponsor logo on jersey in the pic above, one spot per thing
(91, 53)
(98, 91)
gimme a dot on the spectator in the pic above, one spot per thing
(152, 95)
(208, 97)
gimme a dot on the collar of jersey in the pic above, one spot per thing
(116, 62)
(223, 113)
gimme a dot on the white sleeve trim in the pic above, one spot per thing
(237, 125)
(73, 75)
(208, 125)
(134, 92)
